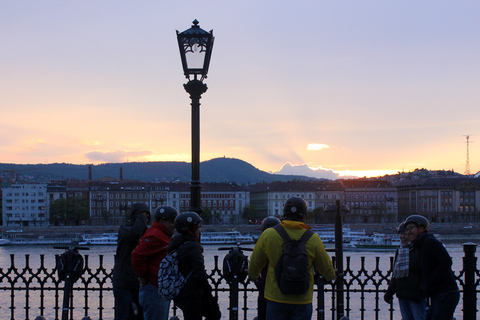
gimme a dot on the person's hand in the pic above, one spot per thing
(388, 297)
(142, 281)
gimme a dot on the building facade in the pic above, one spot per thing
(24, 205)
(442, 200)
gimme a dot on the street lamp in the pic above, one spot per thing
(195, 46)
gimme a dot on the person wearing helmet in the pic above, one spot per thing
(146, 260)
(268, 222)
(125, 283)
(438, 280)
(195, 298)
(269, 248)
(406, 281)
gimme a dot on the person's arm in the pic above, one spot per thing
(135, 231)
(258, 259)
(443, 262)
(322, 261)
(197, 262)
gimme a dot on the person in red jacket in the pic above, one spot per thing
(146, 260)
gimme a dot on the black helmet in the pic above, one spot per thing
(295, 207)
(401, 228)
(187, 221)
(418, 220)
(165, 212)
(269, 222)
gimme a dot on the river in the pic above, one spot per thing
(455, 250)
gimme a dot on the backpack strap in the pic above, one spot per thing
(283, 233)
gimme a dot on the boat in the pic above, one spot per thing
(98, 239)
(327, 234)
(16, 237)
(226, 237)
(4, 241)
(377, 241)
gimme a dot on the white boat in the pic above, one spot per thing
(17, 237)
(226, 237)
(377, 241)
(41, 240)
(328, 234)
(98, 239)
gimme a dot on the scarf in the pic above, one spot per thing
(400, 270)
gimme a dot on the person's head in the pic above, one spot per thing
(295, 208)
(188, 223)
(401, 233)
(415, 226)
(269, 222)
(138, 209)
(165, 215)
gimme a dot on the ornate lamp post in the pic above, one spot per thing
(195, 46)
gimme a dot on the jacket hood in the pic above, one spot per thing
(137, 209)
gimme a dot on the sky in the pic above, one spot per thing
(342, 88)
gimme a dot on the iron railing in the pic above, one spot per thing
(26, 291)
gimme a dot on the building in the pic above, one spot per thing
(24, 205)
(370, 201)
(442, 200)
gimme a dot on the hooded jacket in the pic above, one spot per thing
(151, 250)
(128, 238)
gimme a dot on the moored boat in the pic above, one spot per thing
(98, 239)
(226, 237)
(377, 241)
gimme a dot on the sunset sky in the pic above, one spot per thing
(341, 87)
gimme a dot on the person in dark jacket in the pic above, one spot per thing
(195, 299)
(406, 281)
(125, 282)
(437, 276)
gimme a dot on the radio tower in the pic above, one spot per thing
(467, 164)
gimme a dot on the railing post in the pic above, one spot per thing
(469, 290)
(339, 260)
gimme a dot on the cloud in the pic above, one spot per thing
(117, 156)
(31, 145)
(317, 146)
(306, 170)
(89, 142)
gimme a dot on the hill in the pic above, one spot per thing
(215, 170)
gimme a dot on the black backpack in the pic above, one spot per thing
(291, 270)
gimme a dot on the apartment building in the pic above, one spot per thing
(24, 205)
(442, 200)
(370, 201)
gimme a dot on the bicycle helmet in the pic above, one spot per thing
(418, 220)
(295, 208)
(269, 222)
(187, 221)
(165, 212)
(401, 228)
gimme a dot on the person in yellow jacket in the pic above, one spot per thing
(269, 248)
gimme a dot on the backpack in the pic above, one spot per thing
(291, 270)
(170, 279)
